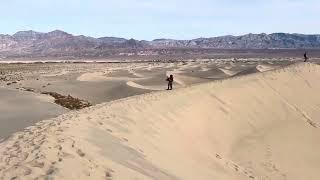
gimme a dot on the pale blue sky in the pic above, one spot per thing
(149, 19)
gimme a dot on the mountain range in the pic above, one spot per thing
(62, 44)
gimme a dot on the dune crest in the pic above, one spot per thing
(259, 126)
(264, 68)
(228, 72)
(100, 76)
(136, 85)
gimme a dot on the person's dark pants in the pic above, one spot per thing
(170, 86)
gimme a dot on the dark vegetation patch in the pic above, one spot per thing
(68, 101)
(26, 89)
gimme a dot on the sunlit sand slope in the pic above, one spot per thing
(260, 126)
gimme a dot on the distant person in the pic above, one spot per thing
(170, 82)
(305, 57)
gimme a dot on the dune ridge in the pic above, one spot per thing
(136, 85)
(259, 126)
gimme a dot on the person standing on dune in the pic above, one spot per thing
(305, 57)
(170, 82)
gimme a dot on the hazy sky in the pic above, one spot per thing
(149, 19)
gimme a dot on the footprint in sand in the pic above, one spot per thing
(80, 153)
(17, 171)
(36, 163)
(235, 167)
(100, 123)
(109, 130)
(218, 156)
(65, 155)
(51, 170)
(59, 147)
(109, 174)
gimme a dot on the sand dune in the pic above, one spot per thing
(100, 76)
(19, 109)
(263, 68)
(94, 76)
(135, 73)
(228, 72)
(260, 126)
(136, 85)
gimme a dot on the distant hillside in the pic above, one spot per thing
(249, 41)
(61, 44)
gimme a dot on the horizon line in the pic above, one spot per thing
(157, 38)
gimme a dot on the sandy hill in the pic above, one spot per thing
(261, 126)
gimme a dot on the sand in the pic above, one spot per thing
(263, 68)
(259, 126)
(20, 109)
(135, 85)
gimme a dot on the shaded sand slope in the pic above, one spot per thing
(260, 126)
(20, 109)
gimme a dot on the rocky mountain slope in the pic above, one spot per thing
(61, 44)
